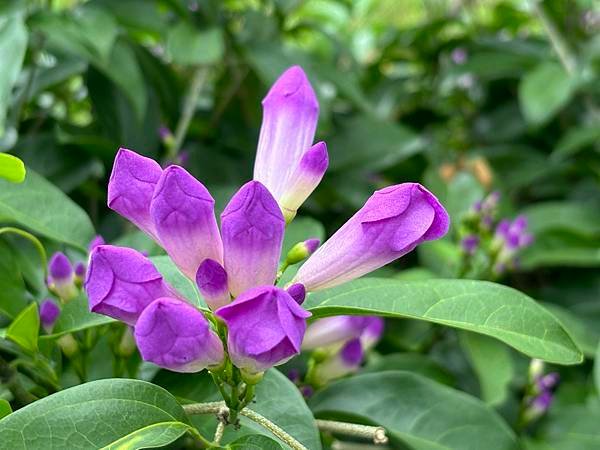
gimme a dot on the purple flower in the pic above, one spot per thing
(265, 328)
(95, 242)
(164, 133)
(121, 282)
(459, 56)
(290, 114)
(80, 271)
(297, 292)
(469, 244)
(372, 332)
(548, 381)
(252, 227)
(344, 362)
(304, 180)
(390, 224)
(211, 279)
(131, 186)
(61, 277)
(173, 334)
(334, 330)
(49, 312)
(182, 212)
(540, 404)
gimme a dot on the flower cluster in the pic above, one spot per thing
(499, 243)
(539, 392)
(252, 323)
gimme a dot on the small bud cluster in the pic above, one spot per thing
(539, 393)
(490, 248)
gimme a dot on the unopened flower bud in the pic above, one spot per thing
(49, 312)
(211, 279)
(344, 362)
(297, 292)
(469, 244)
(301, 251)
(61, 277)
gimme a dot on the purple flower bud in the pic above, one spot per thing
(307, 391)
(121, 282)
(304, 180)
(548, 382)
(372, 332)
(131, 186)
(184, 217)
(390, 224)
(334, 330)
(344, 362)
(80, 270)
(211, 279)
(173, 334)
(301, 251)
(290, 114)
(469, 244)
(502, 229)
(297, 292)
(252, 227)
(294, 375)
(265, 328)
(542, 403)
(519, 225)
(459, 56)
(477, 206)
(49, 312)
(98, 240)
(61, 277)
(164, 133)
(526, 239)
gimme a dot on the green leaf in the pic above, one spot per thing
(13, 43)
(11, 168)
(480, 306)
(41, 207)
(411, 362)
(544, 91)
(24, 330)
(575, 140)
(493, 364)
(5, 408)
(179, 281)
(92, 415)
(582, 219)
(422, 413)
(573, 427)
(151, 436)
(13, 292)
(277, 399)
(76, 316)
(584, 333)
(255, 442)
(187, 45)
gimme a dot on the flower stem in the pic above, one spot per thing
(189, 106)
(217, 407)
(219, 432)
(34, 240)
(375, 434)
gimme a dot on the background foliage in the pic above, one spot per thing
(464, 96)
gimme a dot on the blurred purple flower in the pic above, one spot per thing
(469, 244)
(49, 312)
(61, 277)
(459, 56)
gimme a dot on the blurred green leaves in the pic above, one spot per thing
(188, 46)
(11, 168)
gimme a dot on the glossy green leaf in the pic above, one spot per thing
(13, 43)
(584, 332)
(11, 168)
(582, 219)
(492, 362)
(41, 207)
(5, 408)
(187, 45)
(24, 330)
(179, 281)
(255, 442)
(480, 306)
(13, 292)
(151, 436)
(76, 316)
(597, 368)
(93, 415)
(544, 91)
(411, 362)
(422, 413)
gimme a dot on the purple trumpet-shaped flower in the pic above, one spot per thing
(182, 212)
(211, 279)
(95, 242)
(304, 180)
(173, 334)
(290, 114)
(334, 330)
(131, 187)
(344, 362)
(121, 282)
(252, 227)
(61, 277)
(49, 312)
(390, 224)
(265, 328)
(297, 292)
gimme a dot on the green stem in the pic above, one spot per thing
(375, 434)
(189, 106)
(34, 240)
(9, 377)
(219, 433)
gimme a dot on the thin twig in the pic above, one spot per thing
(375, 434)
(189, 107)
(217, 407)
(219, 432)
